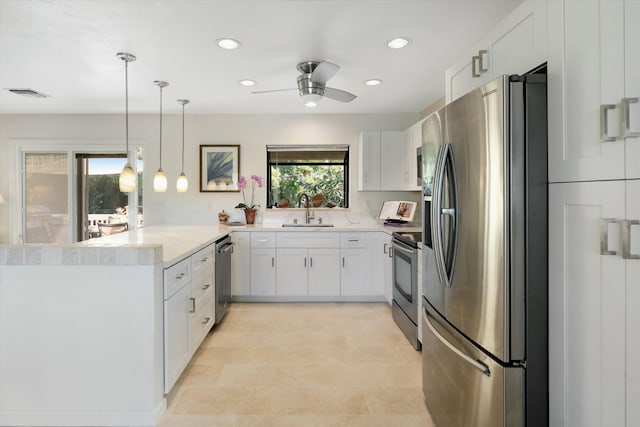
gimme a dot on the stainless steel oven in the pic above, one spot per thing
(405, 284)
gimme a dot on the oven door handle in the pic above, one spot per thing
(475, 363)
(402, 249)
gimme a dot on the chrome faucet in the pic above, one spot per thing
(308, 216)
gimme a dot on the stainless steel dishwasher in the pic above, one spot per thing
(224, 249)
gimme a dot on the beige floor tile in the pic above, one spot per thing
(302, 364)
(396, 401)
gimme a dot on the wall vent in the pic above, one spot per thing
(29, 92)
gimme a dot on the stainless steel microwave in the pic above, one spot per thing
(419, 165)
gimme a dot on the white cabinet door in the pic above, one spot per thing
(392, 161)
(263, 271)
(324, 272)
(586, 305)
(240, 264)
(292, 272)
(382, 161)
(586, 75)
(387, 267)
(369, 176)
(465, 75)
(355, 276)
(632, 85)
(176, 336)
(633, 306)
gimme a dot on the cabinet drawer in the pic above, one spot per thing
(308, 240)
(263, 240)
(201, 321)
(176, 276)
(353, 240)
(202, 283)
(202, 260)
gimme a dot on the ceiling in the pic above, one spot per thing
(67, 49)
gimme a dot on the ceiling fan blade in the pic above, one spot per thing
(274, 90)
(338, 95)
(323, 72)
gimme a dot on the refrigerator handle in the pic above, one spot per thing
(627, 118)
(436, 206)
(626, 239)
(475, 363)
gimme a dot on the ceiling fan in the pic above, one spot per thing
(312, 83)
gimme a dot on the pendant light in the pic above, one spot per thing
(127, 176)
(182, 185)
(160, 178)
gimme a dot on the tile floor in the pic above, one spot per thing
(302, 364)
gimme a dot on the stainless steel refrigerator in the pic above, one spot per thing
(484, 335)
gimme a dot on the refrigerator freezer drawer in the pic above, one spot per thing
(461, 384)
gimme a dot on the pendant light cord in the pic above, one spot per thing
(182, 138)
(160, 127)
(126, 106)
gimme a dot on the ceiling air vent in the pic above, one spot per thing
(29, 92)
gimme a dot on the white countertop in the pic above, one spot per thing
(180, 241)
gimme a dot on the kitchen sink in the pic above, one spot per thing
(306, 225)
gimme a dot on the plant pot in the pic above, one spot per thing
(250, 215)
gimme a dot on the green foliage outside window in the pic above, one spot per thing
(289, 181)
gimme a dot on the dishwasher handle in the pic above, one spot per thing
(226, 248)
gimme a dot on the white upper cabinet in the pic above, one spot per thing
(382, 161)
(517, 45)
(594, 64)
(413, 142)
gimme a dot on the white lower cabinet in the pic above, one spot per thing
(314, 264)
(355, 276)
(240, 259)
(189, 305)
(176, 336)
(387, 267)
(594, 303)
(263, 272)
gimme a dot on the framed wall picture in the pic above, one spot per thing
(219, 168)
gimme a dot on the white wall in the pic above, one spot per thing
(252, 132)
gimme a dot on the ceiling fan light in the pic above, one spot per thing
(398, 42)
(247, 82)
(311, 97)
(228, 44)
(127, 179)
(160, 181)
(182, 185)
(310, 104)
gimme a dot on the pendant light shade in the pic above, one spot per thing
(127, 176)
(160, 181)
(160, 178)
(182, 184)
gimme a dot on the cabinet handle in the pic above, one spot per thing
(311, 262)
(385, 248)
(390, 252)
(205, 287)
(626, 239)
(180, 276)
(604, 236)
(474, 71)
(627, 118)
(481, 67)
(273, 262)
(206, 320)
(354, 240)
(263, 240)
(305, 262)
(342, 262)
(205, 259)
(193, 305)
(604, 126)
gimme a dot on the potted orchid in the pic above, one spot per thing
(249, 208)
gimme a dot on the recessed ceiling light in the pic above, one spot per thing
(373, 82)
(398, 42)
(247, 82)
(228, 43)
